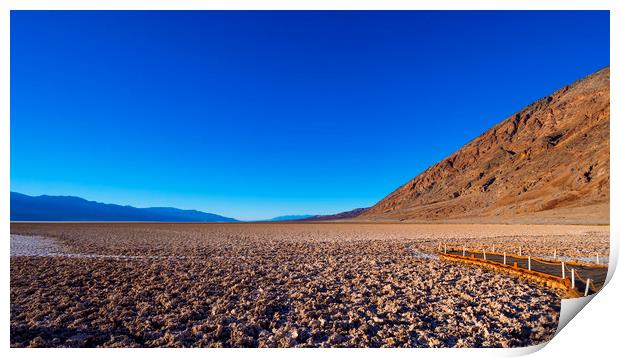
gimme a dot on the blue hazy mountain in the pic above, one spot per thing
(71, 208)
(291, 217)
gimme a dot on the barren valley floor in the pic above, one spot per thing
(280, 285)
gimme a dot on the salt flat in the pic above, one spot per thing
(281, 285)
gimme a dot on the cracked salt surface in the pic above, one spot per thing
(39, 246)
(587, 259)
(421, 255)
(23, 245)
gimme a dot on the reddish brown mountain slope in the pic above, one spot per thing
(547, 163)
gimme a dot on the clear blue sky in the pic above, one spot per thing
(259, 114)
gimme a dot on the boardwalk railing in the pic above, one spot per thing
(576, 278)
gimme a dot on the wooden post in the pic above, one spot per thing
(445, 249)
(572, 278)
(463, 250)
(563, 271)
(597, 260)
(529, 263)
(493, 248)
(587, 287)
(504, 257)
(555, 254)
(484, 254)
(519, 250)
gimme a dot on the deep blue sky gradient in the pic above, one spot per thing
(259, 114)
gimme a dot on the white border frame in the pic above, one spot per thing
(591, 330)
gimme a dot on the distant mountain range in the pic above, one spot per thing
(291, 217)
(71, 208)
(339, 216)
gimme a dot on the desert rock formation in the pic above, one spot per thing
(547, 163)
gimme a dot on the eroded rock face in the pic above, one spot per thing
(281, 285)
(552, 155)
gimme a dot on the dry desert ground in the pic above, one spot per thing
(280, 285)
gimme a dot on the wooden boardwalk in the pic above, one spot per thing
(578, 279)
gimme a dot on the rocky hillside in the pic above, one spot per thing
(547, 163)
